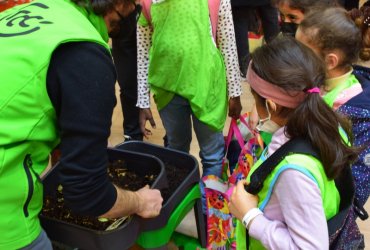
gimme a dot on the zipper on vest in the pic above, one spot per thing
(27, 163)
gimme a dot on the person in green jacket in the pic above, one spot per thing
(299, 195)
(57, 87)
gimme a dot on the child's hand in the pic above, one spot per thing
(146, 115)
(241, 201)
(235, 107)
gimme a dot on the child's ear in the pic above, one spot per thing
(331, 61)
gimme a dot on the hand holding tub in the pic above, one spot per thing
(150, 202)
(145, 202)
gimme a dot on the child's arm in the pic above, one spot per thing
(227, 45)
(144, 37)
(304, 224)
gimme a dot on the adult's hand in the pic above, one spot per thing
(241, 201)
(145, 202)
(235, 107)
(146, 115)
(150, 202)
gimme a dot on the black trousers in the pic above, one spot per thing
(351, 4)
(125, 59)
(244, 17)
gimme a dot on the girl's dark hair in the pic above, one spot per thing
(361, 17)
(101, 7)
(306, 6)
(333, 29)
(294, 67)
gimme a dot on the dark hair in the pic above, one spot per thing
(101, 7)
(332, 29)
(294, 67)
(306, 6)
(361, 17)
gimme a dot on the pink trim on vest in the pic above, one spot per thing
(346, 95)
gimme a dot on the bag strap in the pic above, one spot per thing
(213, 6)
(344, 183)
(346, 187)
(294, 146)
(146, 4)
(234, 130)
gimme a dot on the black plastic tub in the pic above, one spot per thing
(123, 236)
(177, 159)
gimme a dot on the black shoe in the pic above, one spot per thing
(132, 138)
(165, 141)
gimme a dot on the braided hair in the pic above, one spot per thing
(361, 17)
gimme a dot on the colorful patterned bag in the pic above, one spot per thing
(220, 223)
(249, 147)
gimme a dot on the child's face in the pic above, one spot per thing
(289, 15)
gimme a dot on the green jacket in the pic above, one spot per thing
(28, 131)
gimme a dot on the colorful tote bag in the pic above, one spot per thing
(220, 223)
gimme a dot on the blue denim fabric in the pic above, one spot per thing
(177, 118)
(41, 242)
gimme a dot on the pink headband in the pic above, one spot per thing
(289, 99)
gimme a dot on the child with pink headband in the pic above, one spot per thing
(292, 13)
(299, 195)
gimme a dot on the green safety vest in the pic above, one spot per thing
(184, 60)
(307, 165)
(331, 96)
(28, 130)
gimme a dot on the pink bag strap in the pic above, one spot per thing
(242, 120)
(145, 9)
(213, 6)
(234, 130)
